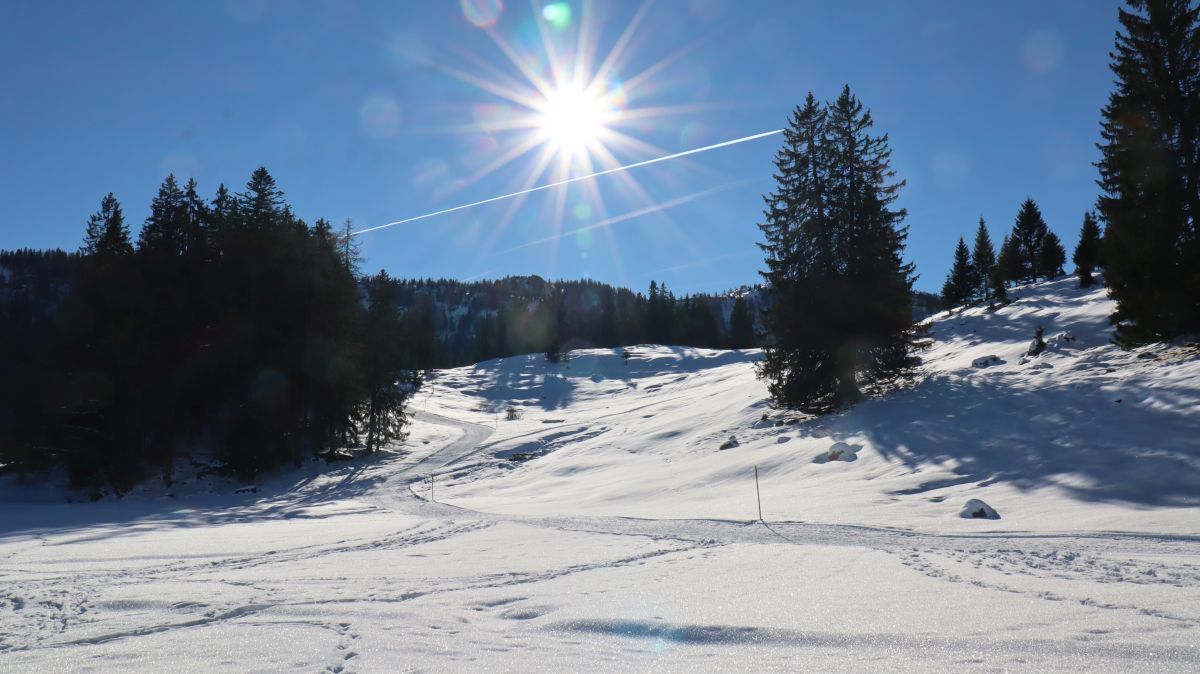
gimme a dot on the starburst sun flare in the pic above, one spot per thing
(561, 109)
(574, 118)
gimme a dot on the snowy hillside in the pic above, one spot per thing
(1083, 437)
(612, 526)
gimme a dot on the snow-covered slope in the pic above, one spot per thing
(1084, 436)
(864, 563)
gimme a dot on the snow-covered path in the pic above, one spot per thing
(355, 572)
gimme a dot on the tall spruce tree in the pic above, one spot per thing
(741, 325)
(833, 249)
(107, 234)
(100, 348)
(983, 259)
(1051, 256)
(382, 414)
(1150, 171)
(1087, 251)
(163, 230)
(1008, 262)
(1027, 234)
(961, 281)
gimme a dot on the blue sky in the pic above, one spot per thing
(382, 111)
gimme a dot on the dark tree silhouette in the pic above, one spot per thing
(983, 259)
(1150, 171)
(961, 282)
(833, 246)
(1087, 251)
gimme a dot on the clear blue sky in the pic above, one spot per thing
(381, 111)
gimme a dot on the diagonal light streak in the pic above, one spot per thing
(654, 208)
(567, 181)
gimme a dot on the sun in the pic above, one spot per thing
(574, 120)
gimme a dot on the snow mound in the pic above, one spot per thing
(976, 509)
(986, 361)
(840, 451)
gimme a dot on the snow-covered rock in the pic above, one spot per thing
(839, 451)
(976, 509)
(986, 361)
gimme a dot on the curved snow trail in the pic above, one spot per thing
(745, 531)
(328, 575)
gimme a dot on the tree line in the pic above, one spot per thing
(1029, 252)
(470, 322)
(227, 323)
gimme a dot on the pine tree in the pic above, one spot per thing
(347, 245)
(983, 259)
(1008, 262)
(999, 287)
(163, 230)
(608, 329)
(960, 282)
(1027, 234)
(1051, 256)
(262, 206)
(197, 231)
(107, 235)
(1087, 251)
(1150, 171)
(741, 326)
(660, 314)
(383, 416)
(833, 248)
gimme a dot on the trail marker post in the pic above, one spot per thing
(431, 487)
(758, 494)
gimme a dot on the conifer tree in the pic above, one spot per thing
(347, 246)
(197, 231)
(983, 259)
(262, 206)
(1150, 171)
(107, 235)
(163, 230)
(383, 417)
(1027, 234)
(999, 287)
(1008, 262)
(1051, 256)
(741, 325)
(833, 248)
(960, 282)
(1087, 251)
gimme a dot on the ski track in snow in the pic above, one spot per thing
(358, 570)
(40, 615)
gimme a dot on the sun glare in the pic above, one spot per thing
(560, 106)
(573, 119)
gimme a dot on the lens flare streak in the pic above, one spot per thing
(575, 179)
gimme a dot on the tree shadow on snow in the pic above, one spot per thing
(1075, 437)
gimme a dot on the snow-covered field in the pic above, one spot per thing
(612, 526)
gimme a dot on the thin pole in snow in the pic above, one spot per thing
(758, 494)
(431, 486)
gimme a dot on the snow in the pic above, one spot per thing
(628, 540)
